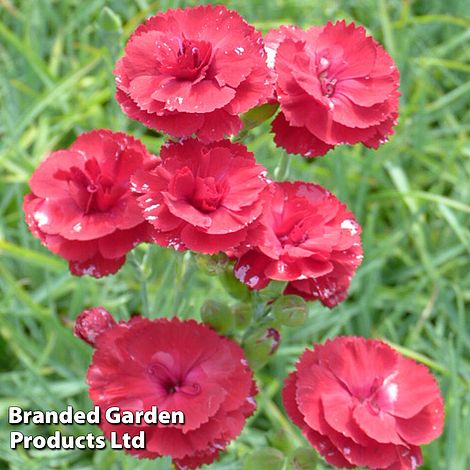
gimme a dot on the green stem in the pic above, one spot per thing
(277, 418)
(282, 170)
(145, 298)
(180, 275)
(142, 278)
(259, 317)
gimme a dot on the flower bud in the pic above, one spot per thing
(290, 310)
(217, 315)
(264, 459)
(260, 345)
(303, 458)
(243, 314)
(279, 439)
(92, 323)
(274, 336)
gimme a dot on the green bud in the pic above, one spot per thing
(303, 458)
(218, 316)
(290, 310)
(243, 314)
(260, 345)
(256, 116)
(109, 21)
(264, 459)
(279, 439)
(214, 265)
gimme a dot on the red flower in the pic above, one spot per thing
(175, 365)
(203, 198)
(335, 85)
(360, 403)
(193, 71)
(309, 239)
(81, 206)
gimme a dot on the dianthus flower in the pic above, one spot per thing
(193, 71)
(202, 197)
(335, 85)
(176, 365)
(81, 206)
(306, 237)
(360, 403)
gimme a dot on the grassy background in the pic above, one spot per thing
(412, 197)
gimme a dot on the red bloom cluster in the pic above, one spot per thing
(360, 403)
(306, 237)
(202, 197)
(335, 85)
(193, 71)
(81, 206)
(141, 363)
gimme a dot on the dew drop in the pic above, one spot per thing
(152, 207)
(350, 225)
(41, 218)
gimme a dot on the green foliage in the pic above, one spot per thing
(412, 197)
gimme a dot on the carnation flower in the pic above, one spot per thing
(308, 238)
(81, 206)
(193, 71)
(202, 197)
(176, 365)
(360, 403)
(335, 85)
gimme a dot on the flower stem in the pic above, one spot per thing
(278, 419)
(142, 278)
(282, 170)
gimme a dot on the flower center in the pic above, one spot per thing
(208, 193)
(172, 381)
(190, 61)
(295, 236)
(371, 398)
(327, 83)
(91, 190)
(381, 395)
